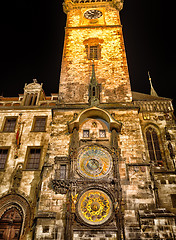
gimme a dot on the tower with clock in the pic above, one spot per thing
(94, 33)
(105, 150)
(94, 73)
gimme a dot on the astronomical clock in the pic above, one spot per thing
(94, 162)
(94, 205)
(95, 192)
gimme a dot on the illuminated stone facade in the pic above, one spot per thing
(111, 66)
(96, 161)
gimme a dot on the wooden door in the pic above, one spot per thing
(10, 224)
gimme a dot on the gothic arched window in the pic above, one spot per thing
(154, 146)
(10, 224)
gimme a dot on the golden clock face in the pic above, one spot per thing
(94, 207)
(92, 14)
(94, 162)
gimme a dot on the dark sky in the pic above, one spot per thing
(32, 35)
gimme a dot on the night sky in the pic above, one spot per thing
(32, 36)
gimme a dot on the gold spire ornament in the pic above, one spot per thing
(152, 91)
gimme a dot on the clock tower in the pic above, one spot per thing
(94, 33)
(102, 177)
(94, 74)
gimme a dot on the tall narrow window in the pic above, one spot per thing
(33, 160)
(3, 157)
(10, 124)
(63, 171)
(31, 99)
(173, 199)
(34, 99)
(39, 124)
(153, 146)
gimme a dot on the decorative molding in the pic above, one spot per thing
(60, 186)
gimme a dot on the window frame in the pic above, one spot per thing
(156, 161)
(57, 175)
(8, 150)
(27, 158)
(60, 177)
(31, 99)
(34, 122)
(103, 130)
(89, 52)
(5, 121)
(84, 130)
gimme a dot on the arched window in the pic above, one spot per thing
(153, 146)
(10, 224)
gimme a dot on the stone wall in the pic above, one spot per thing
(111, 70)
(20, 181)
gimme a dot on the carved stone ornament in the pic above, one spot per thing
(60, 186)
(118, 4)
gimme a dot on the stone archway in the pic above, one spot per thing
(17, 206)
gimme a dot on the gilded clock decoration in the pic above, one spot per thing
(93, 14)
(94, 162)
(95, 207)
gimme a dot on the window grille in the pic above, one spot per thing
(10, 124)
(33, 159)
(3, 157)
(102, 133)
(40, 124)
(85, 133)
(93, 52)
(153, 146)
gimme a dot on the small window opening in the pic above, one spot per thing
(46, 229)
(30, 102)
(40, 124)
(63, 171)
(31, 99)
(102, 133)
(10, 124)
(173, 199)
(93, 52)
(85, 133)
(33, 160)
(3, 157)
(93, 91)
(35, 100)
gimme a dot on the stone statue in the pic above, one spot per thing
(17, 177)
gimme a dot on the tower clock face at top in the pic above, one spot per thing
(94, 162)
(92, 14)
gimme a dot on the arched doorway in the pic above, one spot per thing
(10, 224)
